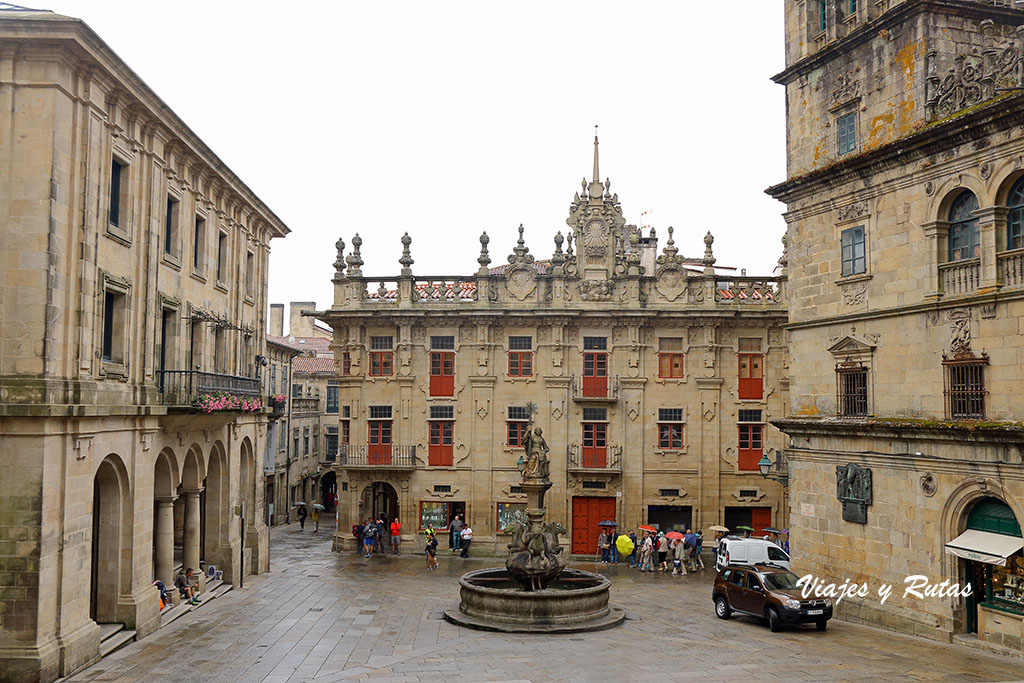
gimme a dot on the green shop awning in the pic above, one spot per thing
(984, 546)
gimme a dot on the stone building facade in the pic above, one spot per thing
(306, 438)
(135, 272)
(653, 377)
(905, 206)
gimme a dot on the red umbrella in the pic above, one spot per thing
(674, 535)
(647, 528)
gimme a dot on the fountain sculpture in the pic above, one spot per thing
(535, 592)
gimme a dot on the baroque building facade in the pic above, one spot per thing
(652, 376)
(905, 206)
(135, 269)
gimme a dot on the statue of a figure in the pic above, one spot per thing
(537, 463)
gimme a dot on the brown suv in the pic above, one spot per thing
(769, 591)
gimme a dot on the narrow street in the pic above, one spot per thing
(325, 617)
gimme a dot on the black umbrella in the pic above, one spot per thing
(608, 522)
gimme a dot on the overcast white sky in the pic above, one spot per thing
(444, 119)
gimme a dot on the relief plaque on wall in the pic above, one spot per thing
(853, 489)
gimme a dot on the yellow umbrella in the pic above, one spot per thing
(624, 545)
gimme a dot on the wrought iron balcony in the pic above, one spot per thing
(182, 387)
(362, 456)
(581, 458)
(595, 389)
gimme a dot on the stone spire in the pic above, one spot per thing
(355, 261)
(596, 189)
(339, 263)
(522, 252)
(597, 173)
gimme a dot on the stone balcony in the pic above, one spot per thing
(305, 406)
(595, 389)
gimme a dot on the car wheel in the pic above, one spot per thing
(722, 609)
(774, 623)
(822, 625)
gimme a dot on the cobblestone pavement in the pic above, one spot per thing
(325, 617)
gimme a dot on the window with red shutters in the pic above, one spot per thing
(441, 428)
(595, 438)
(515, 427)
(751, 445)
(670, 357)
(442, 373)
(751, 374)
(520, 356)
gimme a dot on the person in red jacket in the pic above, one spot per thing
(396, 537)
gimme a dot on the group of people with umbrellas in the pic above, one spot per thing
(683, 548)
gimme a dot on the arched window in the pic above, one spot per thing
(964, 240)
(1015, 221)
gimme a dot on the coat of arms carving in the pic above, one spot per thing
(521, 283)
(853, 489)
(671, 283)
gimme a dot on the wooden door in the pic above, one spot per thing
(595, 375)
(759, 519)
(587, 513)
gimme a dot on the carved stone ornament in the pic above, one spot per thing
(960, 333)
(852, 212)
(671, 283)
(595, 238)
(596, 290)
(929, 188)
(521, 282)
(928, 484)
(854, 294)
(854, 490)
(846, 88)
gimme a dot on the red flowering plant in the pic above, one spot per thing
(223, 401)
(277, 400)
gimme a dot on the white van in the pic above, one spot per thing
(735, 550)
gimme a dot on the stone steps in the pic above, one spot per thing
(112, 637)
(214, 589)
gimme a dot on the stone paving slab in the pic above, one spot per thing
(325, 617)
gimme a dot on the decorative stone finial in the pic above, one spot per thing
(522, 252)
(355, 261)
(568, 245)
(484, 258)
(339, 263)
(709, 256)
(597, 173)
(784, 259)
(670, 246)
(558, 258)
(406, 259)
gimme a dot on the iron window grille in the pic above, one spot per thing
(381, 343)
(964, 386)
(520, 343)
(851, 389)
(595, 343)
(442, 412)
(380, 412)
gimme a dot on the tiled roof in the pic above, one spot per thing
(312, 364)
(316, 344)
(283, 341)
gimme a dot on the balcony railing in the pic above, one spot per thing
(960, 277)
(1011, 267)
(582, 458)
(181, 387)
(305, 405)
(377, 456)
(747, 291)
(597, 389)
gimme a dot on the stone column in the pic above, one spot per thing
(936, 233)
(191, 535)
(992, 233)
(163, 536)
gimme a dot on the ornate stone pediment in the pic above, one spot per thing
(851, 345)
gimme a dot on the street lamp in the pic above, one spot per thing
(765, 465)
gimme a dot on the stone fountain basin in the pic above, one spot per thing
(575, 601)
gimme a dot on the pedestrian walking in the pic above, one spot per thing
(690, 539)
(396, 537)
(315, 515)
(614, 549)
(466, 538)
(604, 546)
(634, 556)
(699, 549)
(678, 555)
(431, 552)
(647, 553)
(301, 512)
(455, 540)
(662, 551)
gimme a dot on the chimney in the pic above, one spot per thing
(297, 325)
(276, 320)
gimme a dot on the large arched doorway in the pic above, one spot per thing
(111, 540)
(191, 496)
(380, 500)
(165, 485)
(215, 547)
(328, 490)
(992, 562)
(247, 483)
